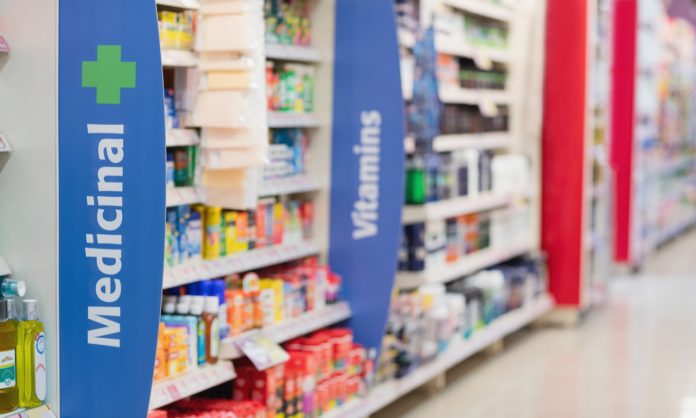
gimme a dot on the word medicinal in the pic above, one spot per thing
(104, 246)
(366, 209)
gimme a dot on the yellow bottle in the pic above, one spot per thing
(9, 398)
(31, 357)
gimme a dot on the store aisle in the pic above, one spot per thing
(634, 358)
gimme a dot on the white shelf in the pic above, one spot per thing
(292, 120)
(171, 390)
(39, 412)
(177, 196)
(666, 235)
(180, 137)
(454, 142)
(297, 53)
(178, 58)
(288, 185)
(454, 207)
(245, 261)
(292, 328)
(4, 268)
(180, 4)
(484, 8)
(458, 351)
(467, 264)
(461, 48)
(473, 96)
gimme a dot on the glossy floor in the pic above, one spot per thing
(634, 358)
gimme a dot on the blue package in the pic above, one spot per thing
(173, 238)
(170, 169)
(194, 234)
(183, 215)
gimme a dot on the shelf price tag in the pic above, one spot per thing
(488, 107)
(262, 351)
(4, 46)
(4, 145)
(482, 60)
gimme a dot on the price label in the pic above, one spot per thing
(488, 107)
(482, 60)
(4, 145)
(262, 351)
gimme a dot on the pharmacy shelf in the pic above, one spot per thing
(467, 264)
(177, 196)
(288, 185)
(292, 328)
(454, 207)
(171, 390)
(296, 53)
(4, 268)
(461, 48)
(454, 142)
(180, 4)
(40, 412)
(237, 263)
(458, 351)
(675, 230)
(178, 58)
(485, 8)
(455, 95)
(181, 137)
(292, 120)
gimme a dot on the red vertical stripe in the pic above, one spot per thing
(623, 122)
(563, 148)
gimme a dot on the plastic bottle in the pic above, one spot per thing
(9, 393)
(212, 329)
(12, 288)
(31, 357)
(197, 308)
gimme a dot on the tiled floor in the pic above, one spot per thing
(635, 358)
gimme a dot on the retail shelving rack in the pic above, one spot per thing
(654, 153)
(577, 197)
(313, 184)
(523, 136)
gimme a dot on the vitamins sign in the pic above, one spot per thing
(367, 162)
(111, 205)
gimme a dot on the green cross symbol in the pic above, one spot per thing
(108, 74)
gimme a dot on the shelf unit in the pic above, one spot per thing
(177, 196)
(178, 58)
(458, 351)
(291, 328)
(455, 207)
(293, 120)
(480, 141)
(180, 4)
(180, 137)
(181, 387)
(474, 96)
(295, 53)
(40, 412)
(460, 48)
(466, 265)
(288, 185)
(482, 8)
(237, 263)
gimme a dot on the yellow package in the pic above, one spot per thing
(213, 232)
(230, 232)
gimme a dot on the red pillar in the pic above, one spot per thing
(563, 148)
(623, 80)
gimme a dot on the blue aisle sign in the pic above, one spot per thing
(368, 161)
(112, 204)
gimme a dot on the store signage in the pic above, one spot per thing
(111, 206)
(368, 161)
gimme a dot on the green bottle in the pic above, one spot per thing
(31, 357)
(9, 394)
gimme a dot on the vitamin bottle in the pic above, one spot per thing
(9, 394)
(212, 329)
(31, 357)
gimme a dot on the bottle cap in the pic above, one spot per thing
(10, 288)
(197, 305)
(184, 305)
(31, 309)
(169, 305)
(212, 304)
(4, 310)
